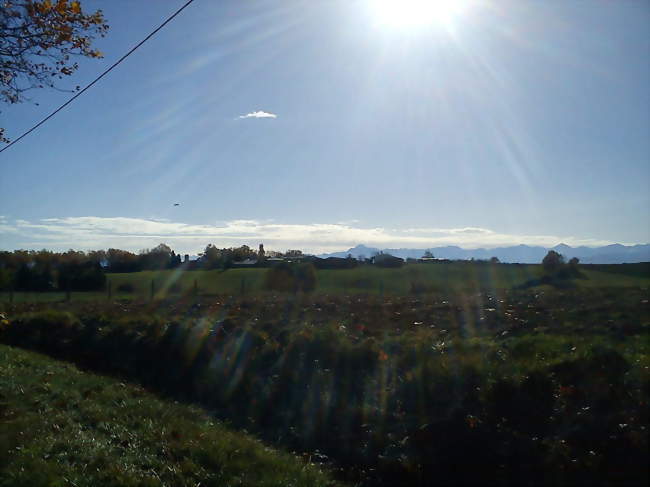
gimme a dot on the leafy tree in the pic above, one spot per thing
(242, 253)
(574, 262)
(211, 257)
(38, 42)
(157, 258)
(98, 256)
(121, 261)
(553, 262)
(495, 260)
(427, 255)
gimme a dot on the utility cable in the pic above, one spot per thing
(99, 77)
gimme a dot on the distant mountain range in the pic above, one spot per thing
(524, 254)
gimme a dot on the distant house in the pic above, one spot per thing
(246, 262)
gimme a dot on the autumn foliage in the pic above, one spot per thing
(39, 41)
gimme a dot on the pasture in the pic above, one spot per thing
(440, 278)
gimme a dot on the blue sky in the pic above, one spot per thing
(508, 122)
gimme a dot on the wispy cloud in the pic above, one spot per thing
(259, 114)
(138, 233)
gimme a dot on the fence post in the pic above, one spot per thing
(196, 288)
(152, 289)
(381, 288)
(11, 295)
(243, 286)
(110, 290)
(68, 294)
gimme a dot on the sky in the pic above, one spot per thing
(322, 124)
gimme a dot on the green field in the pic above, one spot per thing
(62, 426)
(447, 278)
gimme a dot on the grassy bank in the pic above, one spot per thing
(61, 426)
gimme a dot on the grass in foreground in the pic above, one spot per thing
(62, 426)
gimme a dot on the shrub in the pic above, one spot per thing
(286, 277)
(280, 278)
(305, 277)
(51, 330)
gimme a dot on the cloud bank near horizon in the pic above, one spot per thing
(92, 232)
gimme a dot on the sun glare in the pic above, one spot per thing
(408, 14)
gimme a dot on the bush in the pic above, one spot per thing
(305, 277)
(286, 277)
(280, 278)
(49, 329)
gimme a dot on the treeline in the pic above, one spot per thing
(42, 270)
(74, 270)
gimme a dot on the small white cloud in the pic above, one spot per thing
(259, 114)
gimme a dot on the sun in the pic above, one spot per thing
(408, 14)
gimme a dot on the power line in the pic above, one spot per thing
(99, 77)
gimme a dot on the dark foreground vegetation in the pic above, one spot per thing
(61, 426)
(526, 387)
